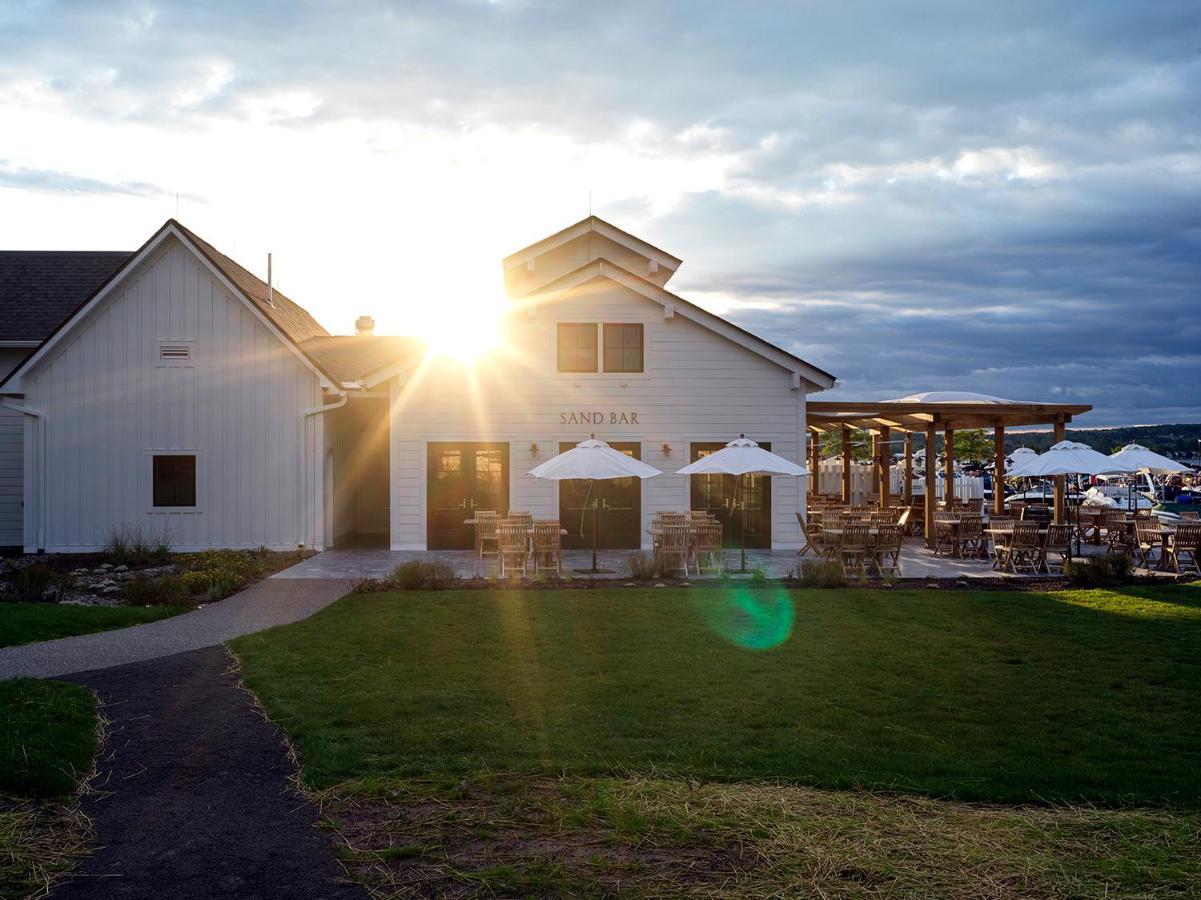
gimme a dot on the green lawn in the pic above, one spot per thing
(47, 737)
(47, 744)
(23, 623)
(1012, 697)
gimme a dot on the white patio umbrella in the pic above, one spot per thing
(1074, 458)
(590, 461)
(743, 457)
(1018, 460)
(1145, 460)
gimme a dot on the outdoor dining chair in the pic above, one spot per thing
(513, 540)
(852, 548)
(1148, 540)
(675, 547)
(524, 518)
(945, 525)
(706, 547)
(1114, 530)
(971, 535)
(1185, 545)
(887, 549)
(548, 547)
(485, 532)
(1024, 549)
(1059, 541)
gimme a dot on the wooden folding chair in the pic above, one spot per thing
(513, 540)
(548, 547)
(852, 548)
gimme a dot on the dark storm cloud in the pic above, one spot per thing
(998, 197)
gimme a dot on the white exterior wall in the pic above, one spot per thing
(697, 387)
(12, 440)
(107, 402)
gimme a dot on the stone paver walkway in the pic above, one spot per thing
(269, 603)
(916, 562)
(194, 798)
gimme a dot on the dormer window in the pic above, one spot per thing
(623, 347)
(577, 346)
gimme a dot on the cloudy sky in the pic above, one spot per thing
(913, 196)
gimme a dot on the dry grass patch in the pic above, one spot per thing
(40, 840)
(539, 836)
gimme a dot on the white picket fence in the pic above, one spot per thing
(863, 482)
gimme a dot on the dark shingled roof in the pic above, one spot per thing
(350, 357)
(291, 318)
(40, 288)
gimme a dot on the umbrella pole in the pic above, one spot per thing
(595, 527)
(742, 538)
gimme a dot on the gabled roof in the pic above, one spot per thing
(291, 318)
(40, 288)
(351, 357)
(604, 268)
(600, 226)
(291, 322)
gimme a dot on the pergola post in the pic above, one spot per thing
(846, 466)
(931, 482)
(907, 487)
(1060, 480)
(883, 458)
(948, 455)
(998, 470)
(815, 458)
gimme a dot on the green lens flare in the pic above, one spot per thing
(750, 619)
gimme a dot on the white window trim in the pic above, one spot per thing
(173, 451)
(600, 322)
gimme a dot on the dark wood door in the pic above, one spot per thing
(716, 494)
(620, 508)
(461, 479)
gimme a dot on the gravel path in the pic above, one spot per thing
(194, 799)
(271, 602)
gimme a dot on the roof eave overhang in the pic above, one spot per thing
(598, 226)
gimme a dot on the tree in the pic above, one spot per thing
(974, 445)
(861, 445)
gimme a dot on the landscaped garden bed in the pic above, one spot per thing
(744, 739)
(134, 580)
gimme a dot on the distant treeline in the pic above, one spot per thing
(1170, 440)
(1177, 441)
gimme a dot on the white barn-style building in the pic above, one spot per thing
(175, 392)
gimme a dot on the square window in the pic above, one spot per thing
(577, 346)
(175, 480)
(623, 348)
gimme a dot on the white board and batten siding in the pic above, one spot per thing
(110, 399)
(12, 456)
(697, 386)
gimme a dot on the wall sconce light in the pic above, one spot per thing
(666, 449)
(533, 449)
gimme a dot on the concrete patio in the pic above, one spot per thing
(916, 562)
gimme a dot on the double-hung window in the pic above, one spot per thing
(577, 347)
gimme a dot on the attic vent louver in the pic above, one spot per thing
(174, 351)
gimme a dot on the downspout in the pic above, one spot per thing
(41, 433)
(316, 411)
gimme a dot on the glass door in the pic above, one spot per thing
(462, 478)
(716, 494)
(620, 508)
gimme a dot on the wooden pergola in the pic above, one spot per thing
(915, 414)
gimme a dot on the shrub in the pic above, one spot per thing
(167, 590)
(643, 566)
(1110, 570)
(368, 586)
(133, 545)
(439, 575)
(419, 574)
(32, 582)
(196, 582)
(821, 573)
(408, 576)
